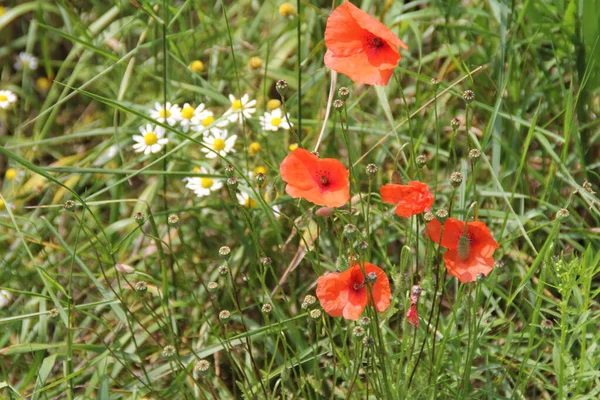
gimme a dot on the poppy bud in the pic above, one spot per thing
(455, 123)
(124, 269)
(225, 315)
(202, 367)
(468, 96)
(281, 86)
(69, 205)
(421, 160)
(464, 247)
(371, 277)
(344, 93)
(372, 170)
(266, 261)
(173, 219)
(225, 252)
(229, 170)
(456, 179)
(338, 104)
(325, 212)
(141, 287)
(474, 155)
(416, 290)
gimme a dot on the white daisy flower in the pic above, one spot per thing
(219, 142)
(7, 98)
(245, 200)
(190, 116)
(26, 61)
(274, 120)
(151, 140)
(202, 186)
(240, 108)
(169, 114)
(5, 297)
(206, 119)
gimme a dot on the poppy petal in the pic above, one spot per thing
(367, 22)
(412, 316)
(343, 35)
(332, 292)
(380, 291)
(358, 68)
(294, 168)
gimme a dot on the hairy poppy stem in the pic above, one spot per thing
(383, 139)
(328, 109)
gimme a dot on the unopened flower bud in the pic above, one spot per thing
(455, 123)
(69, 205)
(169, 352)
(468, 96)
(202, 367)
(547, 324)
(344, 92)
(232, 183)
(124, 269)
(358, 331)
(416, 290)
(281, 86)
(260, 179)
(224, 252)
(350, 231)
(562, 213)
(421, 160)
(338, 104)
(225, 315)
(267, 308)
(474, 155)
(173, 219)
(456, 179)
(309, 299)
(372, 277)
(141, 287)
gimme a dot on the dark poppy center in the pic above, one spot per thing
(356, 286)
(377, 42)
(324, 178)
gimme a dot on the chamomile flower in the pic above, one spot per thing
(240, 108)
(169, 113)
(151, 140)
(190, 116)
(7, 98)
(274, 120)
(26, 61)
(202, 186)
(219, 143)
(5, 297)
(13, 175)
(245, 200)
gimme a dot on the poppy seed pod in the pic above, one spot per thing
(468, 96)
(281, 86)
(344, 93)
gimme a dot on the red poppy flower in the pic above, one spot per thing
(410, 199)
(320, 181)
(360, 46)
(469, 252)
(345, 293)
(412, 316)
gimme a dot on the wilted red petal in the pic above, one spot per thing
(412, 316)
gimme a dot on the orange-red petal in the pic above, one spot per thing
(367, 22)
(467, 270)
(412, 316)
(358, 68)
(332, 293)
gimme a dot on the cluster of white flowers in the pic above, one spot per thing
(202, 186)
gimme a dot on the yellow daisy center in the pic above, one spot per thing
(11, 173)
(165, 113)
(218, 144)
(250, 203)
(3, 97)
(2, 10)
(1, 204)
(187, 112)
(276, 121)
(293, 147)
(206, 183)
(196, 66)
(208, 120)
(237, 105)
(254, 148)
(273, 104)
(196, 170)
(43, 83)
(150, 138)
(260, 170)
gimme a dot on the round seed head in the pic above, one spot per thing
(267, 308)
(563, 213)
(456, 179)
(468, 96)
(225, 252)
(344, 92)
(223, 270)
(358, 331)
(173, 219)
(429, 217)
(225, 315)
(229, 170)
(421, 160)
(338, 104)
(455, 123)
(69, 205)
(202, 367)
(212, 287)
(141, 287)
(474, 155)
(281, 86)
(315, 314)
(169, 352)
(372, 170)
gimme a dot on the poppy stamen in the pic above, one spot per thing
(358, 285)
(376, 42)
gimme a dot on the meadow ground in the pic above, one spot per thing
(164, 234)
